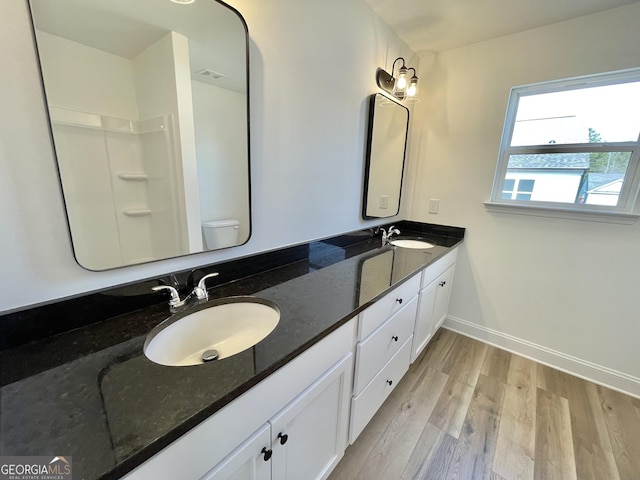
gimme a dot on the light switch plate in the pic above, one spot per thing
(434, 204)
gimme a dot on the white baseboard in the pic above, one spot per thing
(561, 361)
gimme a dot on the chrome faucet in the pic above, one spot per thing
(174, 297)
(386, 234)
(201, 289)
(199, 293)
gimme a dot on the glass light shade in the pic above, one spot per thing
(412, 89)
(401, 82)
(399, 93)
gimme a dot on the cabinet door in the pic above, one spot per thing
(309, 435)
(425, 320)
(250, 461)
(443, 294)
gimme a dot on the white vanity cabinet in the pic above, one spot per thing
(250, 461)
(307, 400)
(383, 351)
(309, 436)
(304, 440)
(433, 302)
(295, 423)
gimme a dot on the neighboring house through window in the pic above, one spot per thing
(572, 144)
(518, 188)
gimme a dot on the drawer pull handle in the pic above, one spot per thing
(442, 284)
(395, 338)
(399, 300)
(390, 382)
(283, 438)
(267, 453)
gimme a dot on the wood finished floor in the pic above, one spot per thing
(470, 411)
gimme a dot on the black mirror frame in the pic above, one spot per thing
(367, 169)
(57, 163)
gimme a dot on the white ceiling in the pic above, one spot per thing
(126, 28)
(429, 26)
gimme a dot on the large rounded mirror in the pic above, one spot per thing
(148, 103)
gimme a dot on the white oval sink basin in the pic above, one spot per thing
(410, 243)
(226, 327)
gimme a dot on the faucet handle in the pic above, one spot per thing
(174, 296)
(386, 234)
(201, 290)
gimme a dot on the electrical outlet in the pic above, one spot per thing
(434, 204)
(384, 201)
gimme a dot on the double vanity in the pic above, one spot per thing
(284, 360)
(353, 315)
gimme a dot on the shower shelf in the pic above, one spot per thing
(136, 212)
(133, 176)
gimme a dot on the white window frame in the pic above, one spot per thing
(631, 185)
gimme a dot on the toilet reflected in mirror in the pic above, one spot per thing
(221, 233)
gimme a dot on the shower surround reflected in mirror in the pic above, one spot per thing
(386, 145)
(148, 105)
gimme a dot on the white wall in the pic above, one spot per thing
(170, 162)
(222, 165)
(102, 83)
(312, 67)
(565, 291)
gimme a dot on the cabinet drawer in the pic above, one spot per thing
(378, 348)
(380, 311)
(436, 269)
(365, 405)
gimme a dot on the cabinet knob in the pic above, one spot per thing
(267, 453)
(395, 338)
(443, 283)
(390, 382)
(283, 438)
(399, 300)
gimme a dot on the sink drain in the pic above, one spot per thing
(209, 355)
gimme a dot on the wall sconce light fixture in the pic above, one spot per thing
(401, 87)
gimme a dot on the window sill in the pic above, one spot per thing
(565, 213)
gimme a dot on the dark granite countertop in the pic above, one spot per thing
(90, 393)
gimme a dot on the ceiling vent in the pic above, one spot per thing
(207, 73)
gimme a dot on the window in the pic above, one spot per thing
(519, 189)
(572, 145)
